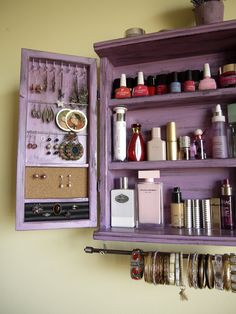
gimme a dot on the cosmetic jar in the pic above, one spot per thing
(134, 31)
(227, 75)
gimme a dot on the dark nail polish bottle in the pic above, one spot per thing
(161, 84)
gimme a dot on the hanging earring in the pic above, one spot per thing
(34, 145)
(29, 145)
(38, 111)
(33, 112)
(45, 79)
(61, 186)
(53, 81)
(69, 184)
(60, 102)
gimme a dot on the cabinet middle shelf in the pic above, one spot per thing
(170, 164)
(222, 95)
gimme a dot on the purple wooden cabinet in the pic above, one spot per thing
(57, 143)
(163, 52)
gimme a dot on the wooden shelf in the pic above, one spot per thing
(225, 95)
(168, 235)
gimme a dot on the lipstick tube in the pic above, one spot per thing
(171, 141)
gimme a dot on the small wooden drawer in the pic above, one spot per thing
(46, 183)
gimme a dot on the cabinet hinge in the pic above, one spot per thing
(98, 95)
(98, 186)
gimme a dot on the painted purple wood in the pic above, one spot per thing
(34, 158)
(164, 52)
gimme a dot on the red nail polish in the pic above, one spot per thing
(123, 91)
(141, 89)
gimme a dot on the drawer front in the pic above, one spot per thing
(46, 183)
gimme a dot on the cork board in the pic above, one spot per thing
(46, 183)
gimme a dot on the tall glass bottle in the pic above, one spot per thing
(136, 147)
(227, 206)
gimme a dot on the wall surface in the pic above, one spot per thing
(47, 272)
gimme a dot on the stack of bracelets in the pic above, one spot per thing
(211, 271)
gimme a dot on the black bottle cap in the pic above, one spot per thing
(188, 75)
(176, 195)
(181, 76)
(174, 77)
(196, 75)
(130, 82)
(151, 80)
(161, 79)
(115, 85)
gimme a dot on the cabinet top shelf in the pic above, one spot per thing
(171, 44)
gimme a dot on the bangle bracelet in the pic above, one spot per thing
(172, 269)
(189, 271)
(218, 272)
(227, 276)
(209, 272)
(177, 270)
(195, 270)
(136, 264)
(154, 268)
(166, 269)
(201, 271)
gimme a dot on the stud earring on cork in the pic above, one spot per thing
(34, 145)
(61, 185)
(49, 145)
(29, 145)
(69, 184)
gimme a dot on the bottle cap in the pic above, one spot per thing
(140, 78)
(134, 31)
(207, 71)
(188, 75)
(156, 132)
(171, 132)
(123, 80)
(130, 82)
(124, 183)
(150, 175)
(174, 77)
(198, 132)
(161, 79)
(184, 141)
(151, 80)
(176, 195)
(120, 109)
(217, 115)
(226, 189)
(196, 75)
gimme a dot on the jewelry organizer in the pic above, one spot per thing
(56, 164)
(165, 52)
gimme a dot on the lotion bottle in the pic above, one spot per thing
(219, 138)
(156, 148)
(177, 209)
(119, 134)
(123, 205)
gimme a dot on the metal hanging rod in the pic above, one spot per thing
(90, 249)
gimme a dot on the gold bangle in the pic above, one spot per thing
(227, 272)
(209, 272)
(189, 271)
(154, 268)
(201, 271)
(195, 270)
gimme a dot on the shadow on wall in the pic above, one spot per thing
(177, 18)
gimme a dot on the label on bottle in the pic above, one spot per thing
(121, 198)
(119, 140)
(227, 212)
(219, 147)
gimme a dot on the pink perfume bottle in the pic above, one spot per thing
(136, 147)
(207, 82)
(150, 198)
(141, 89)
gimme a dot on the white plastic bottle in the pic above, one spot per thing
(156, 148)
(219, 138)
(119, 134)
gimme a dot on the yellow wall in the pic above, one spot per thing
(47, 272)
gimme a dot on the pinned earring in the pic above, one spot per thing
(34, 145)
(61, 186)
(69, 184)
(56, 146)
(49, 145)
(29, 145)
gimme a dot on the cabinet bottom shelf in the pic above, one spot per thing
(167, 235)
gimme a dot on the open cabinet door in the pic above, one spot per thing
(57, 142)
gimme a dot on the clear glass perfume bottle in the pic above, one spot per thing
(136, 147)
(150, 198)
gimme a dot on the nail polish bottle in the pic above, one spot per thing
(171, 141)
(175, 85)
(189, 85)
(181, 77)
(141, 89)
(177, 209)
(227, 206)
(219, 139)
(161, 84)
(197, 76)
(130, 84)
(115, 85)
(123, 91)
(150, 198)
(151, 84)
(136, 147)
(123, 205)
(156, 148)
(207, 82)
(200, 144)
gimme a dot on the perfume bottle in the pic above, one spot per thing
(219, 138)
(123, 91)
(150, 198)
(171, 142)
(207, 82)
(123, 205)
(227, 206)
(156, 148)
(136, 147)
(119, 134)
(177, 209)
(199, 144)
(141, 89)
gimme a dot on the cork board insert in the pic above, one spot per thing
(46, 183)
